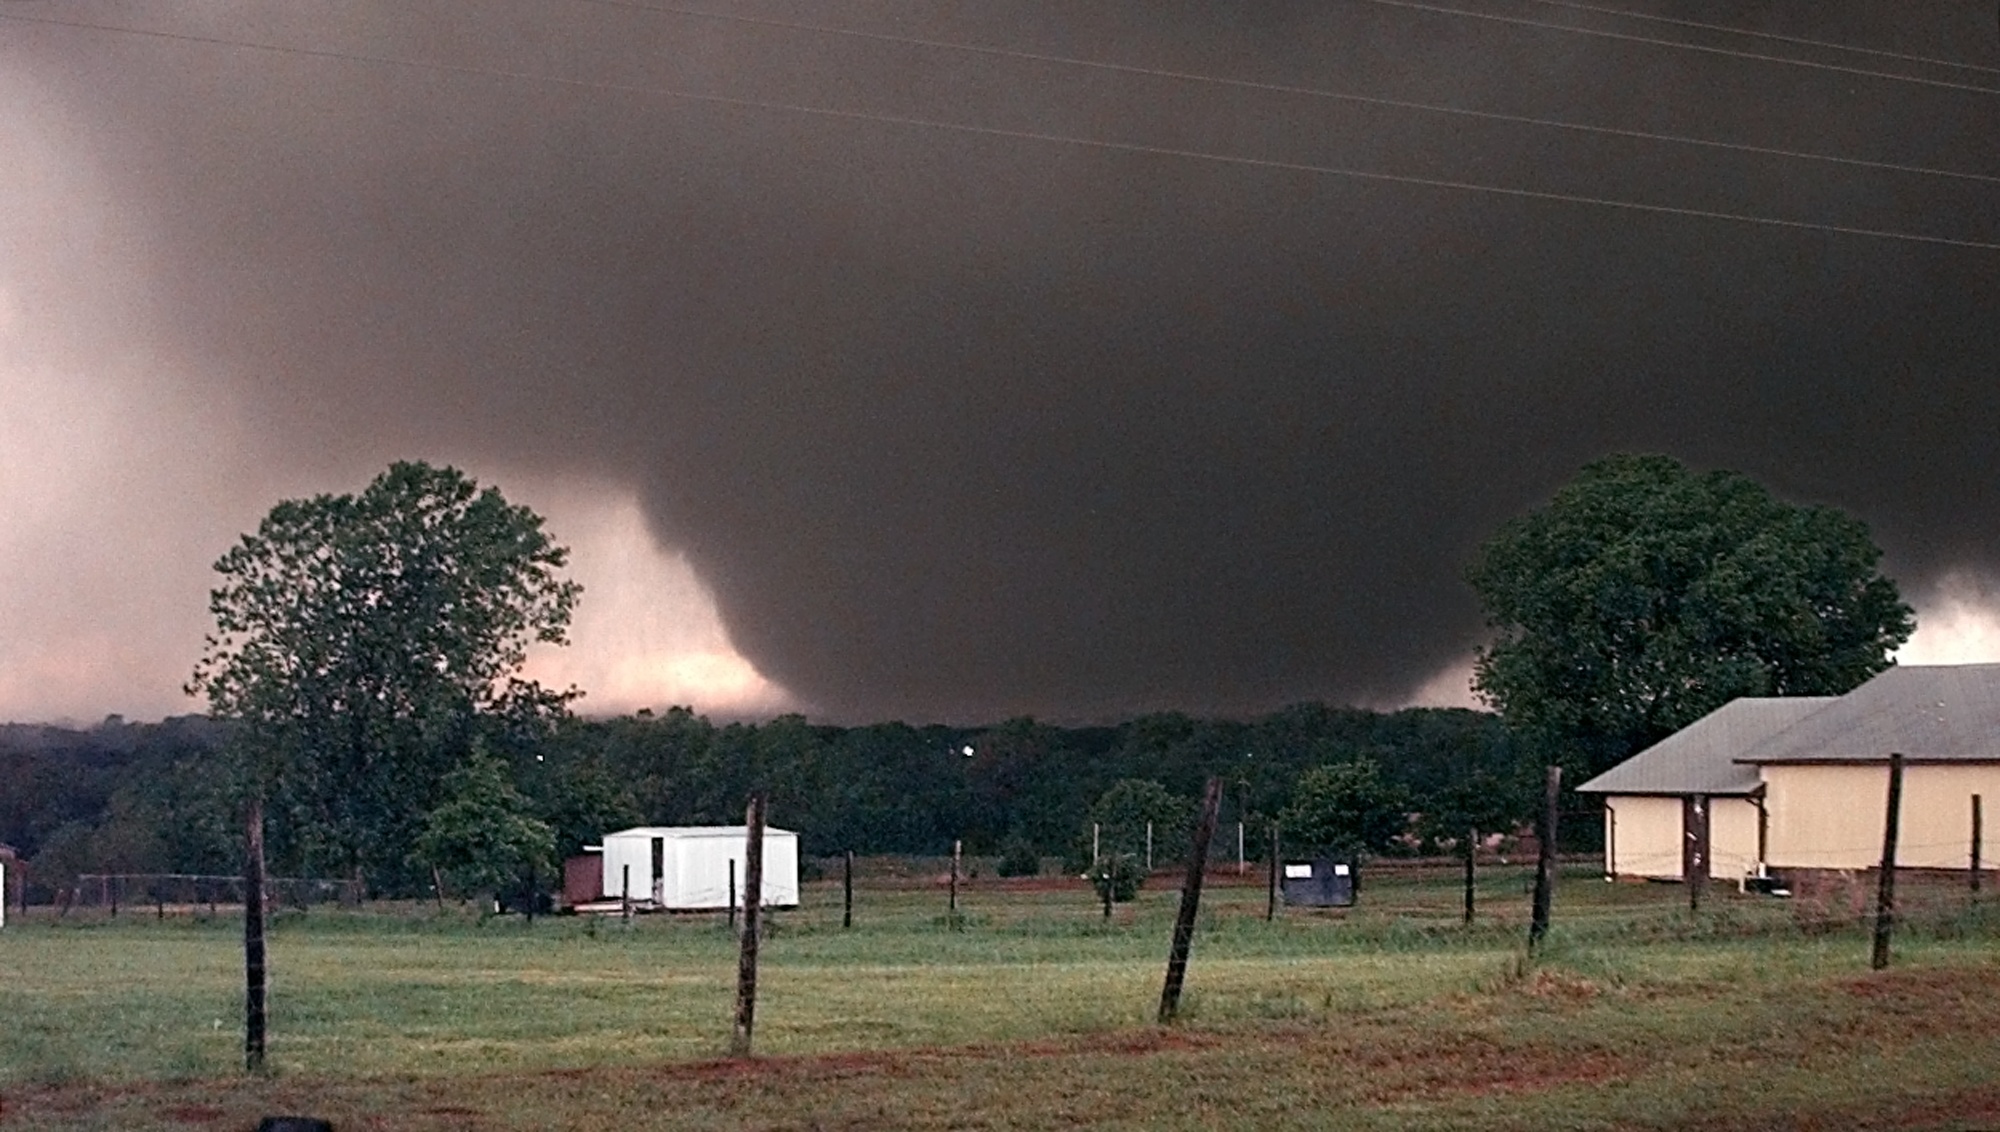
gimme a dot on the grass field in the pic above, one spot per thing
(1034, 1012)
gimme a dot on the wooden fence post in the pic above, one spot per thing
(253, 937)
(753, 901)
(951, 917)
(732, 894)
(1271, 898)
(1471, 848)
(625, 894)
(1697, 850)
(1885, 898)
(847, 892)
(1177, 958)
(1545, 864)
(1978, 832)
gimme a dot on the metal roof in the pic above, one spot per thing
(1935, 713)
(672, 831)
(1701, 758)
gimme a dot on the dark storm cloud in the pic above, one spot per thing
(961, 425)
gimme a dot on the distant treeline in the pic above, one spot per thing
(162, 797)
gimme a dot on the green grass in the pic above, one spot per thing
(1035, 1013)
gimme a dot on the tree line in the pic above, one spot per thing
(167, 797)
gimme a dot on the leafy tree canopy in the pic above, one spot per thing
(1123, 813)
(1345, 809)
(482, 836)
(1646, 595)
(364, 641)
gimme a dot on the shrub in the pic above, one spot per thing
(1121, 873)
(1018, 858)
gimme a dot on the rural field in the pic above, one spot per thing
(1031, 1011)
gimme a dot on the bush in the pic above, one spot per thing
(1018, 858)
(1119, 872)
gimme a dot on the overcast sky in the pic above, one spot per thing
(878, 378)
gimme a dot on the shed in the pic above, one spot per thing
(1659, 802)
(696, 868)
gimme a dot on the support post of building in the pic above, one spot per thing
(1545, 863)
(1885, 898)
(1177, 957)
(753, 900)
(253, 937)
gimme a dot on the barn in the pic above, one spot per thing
(695, 868)
(1799, 784)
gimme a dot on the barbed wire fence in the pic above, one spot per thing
(196, 893)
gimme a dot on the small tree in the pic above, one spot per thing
(1116, 878)
(482, 837)
(1344, 809)
(1123, 813)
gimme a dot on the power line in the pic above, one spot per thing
(1519, 21)
(1288, 89)
(1774, 36)
(1028, 135)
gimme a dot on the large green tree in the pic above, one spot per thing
(1645, 595)
(363, 643)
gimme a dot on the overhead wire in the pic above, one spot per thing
(1598, 33)
(1291, 89)
(1776, 37)
(1272, 164)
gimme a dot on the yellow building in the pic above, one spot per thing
(1792, 784)
(1826, 778)
(1657, 803)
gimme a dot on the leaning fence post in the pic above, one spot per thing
(1885, 899)
(753, 900)
(1177, 958)
(1545, 863)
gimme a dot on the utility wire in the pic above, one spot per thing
(1288, 89)
(1024, 135)
(1520, 21)
(1774, 36)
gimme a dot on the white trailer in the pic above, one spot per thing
(690, 868)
